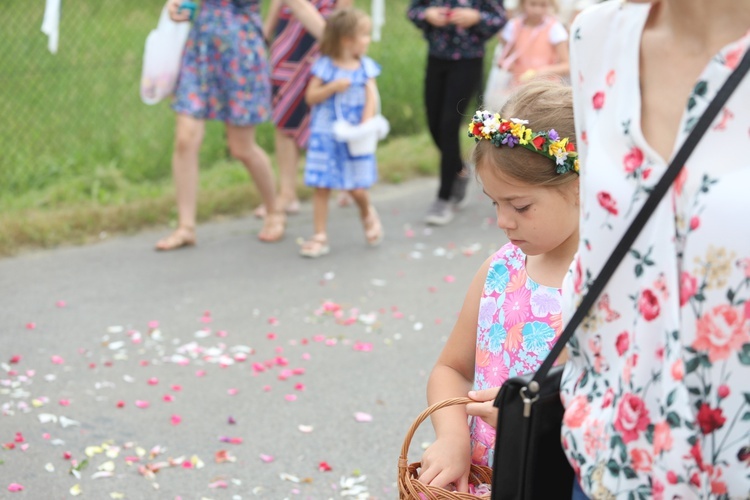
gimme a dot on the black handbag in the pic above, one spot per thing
(529, 460)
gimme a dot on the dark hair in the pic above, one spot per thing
(546, 104)
(342, 23)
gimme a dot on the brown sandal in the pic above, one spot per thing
(373, 228)
(183, 236)
(292, 208)
(273, 229)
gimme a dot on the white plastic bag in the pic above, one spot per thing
(162, 57)
(360, 138)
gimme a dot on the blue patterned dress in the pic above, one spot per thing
(329, 164)
(225, 73)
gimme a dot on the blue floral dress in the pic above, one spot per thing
(225, 74)
(329, 164)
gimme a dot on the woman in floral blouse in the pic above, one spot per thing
(657, 390)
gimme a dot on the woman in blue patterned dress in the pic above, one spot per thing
(224, 76)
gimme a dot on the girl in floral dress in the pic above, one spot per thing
(511, 318)
(224, 76)
(657, 390)
(342, 88)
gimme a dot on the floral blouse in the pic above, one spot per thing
(657, 390)
(452, 42)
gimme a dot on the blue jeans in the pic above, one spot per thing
(578, 493)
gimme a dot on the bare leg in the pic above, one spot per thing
(317, 245)
(242, 146)
(189, 133)
(287, 155)
(370, 220)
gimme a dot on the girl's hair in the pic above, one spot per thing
(546, 105)
(342, 23)
(552, 3)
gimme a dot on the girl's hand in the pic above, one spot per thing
(177, 15)
(464, 17)
(446, 461)
(341, 84)
(483, 407)
(437, 16)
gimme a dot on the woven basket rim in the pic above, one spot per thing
(409, 486)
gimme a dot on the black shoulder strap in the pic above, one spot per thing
(641, 219)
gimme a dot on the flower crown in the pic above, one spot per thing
(513, 132)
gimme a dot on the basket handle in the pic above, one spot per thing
(338, 114)
(421, 418)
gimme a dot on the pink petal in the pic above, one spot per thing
(324, 467)
(18, 438)
(64, 402)
(432, 289)
(121, 404)
(153, 381)
(15, 359)
(14, 487)
(362, 346)
(60, 303)
(299, 387)
(271, 336)
(306, 356)
(58, 360)
(153, 324)
(176, 419)
(231, 421)
(273, 321)
(291, 397)
(319, 338)
(232, 392)
(266, 388)
(362, 417)
(218, 484)
(221, 333)
(266, 458)
(200, 373)
(30, 326)
(177, 388)
(167, 398)
(141, 404)
(449, 278)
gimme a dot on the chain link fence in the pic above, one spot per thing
(76, 116)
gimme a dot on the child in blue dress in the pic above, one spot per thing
(342, 87)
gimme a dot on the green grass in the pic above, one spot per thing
(80, 154)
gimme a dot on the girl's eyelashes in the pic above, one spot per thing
(521, 210)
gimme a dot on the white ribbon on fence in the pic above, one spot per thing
(51, 24)
(378, 18)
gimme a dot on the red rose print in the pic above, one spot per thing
(696, 454)
(598, 100)
(732, 58)
(646, 173)
(721, 332)
(584, 137)
(633, 160)
(609, 396)
(578, 278)
(632, 417)
(607, 202)
(678, 370)
(622, 343)
(695, 480)
(648, 305)
(695, 221)
(577, 412)
(709, 419)
(641, 460)
(723, 391)
(662, 437)
(688, 287)
(538, 142)
(679, 182)
(671, 477)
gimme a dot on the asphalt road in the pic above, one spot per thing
(234, 369)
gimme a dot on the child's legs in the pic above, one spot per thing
(189, 133)
(362, 199)
(287, 156)
(462, 84)
(320, 210)
(242, 145)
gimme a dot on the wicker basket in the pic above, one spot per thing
(409, 488)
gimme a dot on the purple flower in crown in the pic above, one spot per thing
(510, 140)
(552, 134)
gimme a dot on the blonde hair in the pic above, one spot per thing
(546, 104)
(552, 3)
(339, 25)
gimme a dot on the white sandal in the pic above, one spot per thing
(316, 246)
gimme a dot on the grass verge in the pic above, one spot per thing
(85, 210)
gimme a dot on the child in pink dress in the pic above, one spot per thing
(510, 319)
